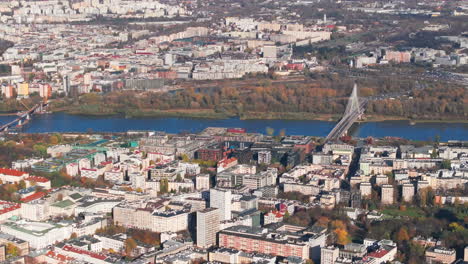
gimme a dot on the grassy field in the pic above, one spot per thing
(412, 212)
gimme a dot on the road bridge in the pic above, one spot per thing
(354, 111)
(23, 117)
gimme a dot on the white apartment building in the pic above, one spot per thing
(207, 227)
(387, 194)
(221, 199)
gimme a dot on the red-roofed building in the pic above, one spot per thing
(39, 181)
(82, 255)
(8, 209)
(33, 197)
(273, 217)
(383, 255)
(12, 176)
(226, 163)
(55, 258)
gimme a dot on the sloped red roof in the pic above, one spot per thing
(378, 254)
(11, 172)
(37, 179)
(86, 252)
(33, 197)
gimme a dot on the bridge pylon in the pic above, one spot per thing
(353, 102)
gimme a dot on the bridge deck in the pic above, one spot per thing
(346, 122)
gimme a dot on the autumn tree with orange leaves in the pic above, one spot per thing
(341, 232)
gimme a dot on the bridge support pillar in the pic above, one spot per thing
(20, 122)
(28, 117)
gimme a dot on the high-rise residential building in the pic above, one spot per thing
(221, 199)
(23, 89)
(328, 255)
(381, 180)
(408, 192)
(264, 157)
(45, 90)
(202, 182)
(66, 84)
(387, 194)
(7, 91)
(207, 227)
(365, 188)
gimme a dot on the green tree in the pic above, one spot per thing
(446, 164)
(179, 178)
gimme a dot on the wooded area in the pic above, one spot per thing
(327, 94)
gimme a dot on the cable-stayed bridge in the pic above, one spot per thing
(23, 117)
(354, 110)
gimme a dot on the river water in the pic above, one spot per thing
(61, 122)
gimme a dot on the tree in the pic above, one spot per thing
(179, 177)
(130, 245)
(40, 149)
(446, 164)
(402, 235)
(22, 184)
(339, 229)
(73, 235)
(164, 186)
(456, 227)
(54, 140)
(342, 236)
(12, 250)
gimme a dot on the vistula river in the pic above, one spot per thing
(61, 122)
